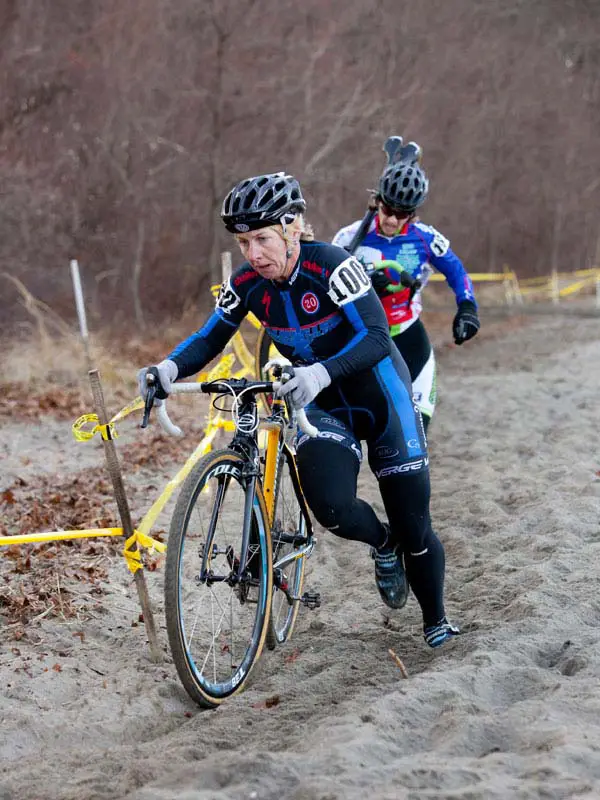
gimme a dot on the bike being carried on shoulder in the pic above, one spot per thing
(239, 537)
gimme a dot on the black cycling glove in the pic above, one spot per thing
(380, 280)
(466, 322)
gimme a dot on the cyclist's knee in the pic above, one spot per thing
(328, 474)
(333, 517)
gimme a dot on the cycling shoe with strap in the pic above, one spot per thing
(390, 576)
(436, 635)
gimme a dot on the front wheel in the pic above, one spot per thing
(217, 609)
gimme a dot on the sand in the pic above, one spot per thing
(511, 709)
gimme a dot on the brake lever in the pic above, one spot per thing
(414, 289)
(287, 373)
(414, 284)
(149, 402)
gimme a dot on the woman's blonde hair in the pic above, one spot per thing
(298, 226)
(308, 234)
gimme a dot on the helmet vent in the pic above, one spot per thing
(249, 199)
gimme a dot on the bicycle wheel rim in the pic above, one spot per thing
(265, 351)
(283, 615)
(216, 626)
(288, 523)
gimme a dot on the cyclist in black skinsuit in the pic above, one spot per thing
(319, 308)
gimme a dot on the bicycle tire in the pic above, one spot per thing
(194, 547)
(288, 519)
(264, 350)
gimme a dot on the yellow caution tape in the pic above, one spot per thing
(107, 431)
(575, 287)
(136, 404)
(203, 447)
(133, 556)
(57, 536)
(479, 277)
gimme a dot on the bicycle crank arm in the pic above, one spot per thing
(303, 551)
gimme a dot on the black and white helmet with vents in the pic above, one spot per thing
(261, 201)
(403, 186)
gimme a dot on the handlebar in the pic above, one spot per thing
(235, 386)
(406, 279)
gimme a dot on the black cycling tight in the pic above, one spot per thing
(329, 474)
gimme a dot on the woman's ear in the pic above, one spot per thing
(292, 238)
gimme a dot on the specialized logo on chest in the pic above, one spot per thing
(310, 302)
(348, 282)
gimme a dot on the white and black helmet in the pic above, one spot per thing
(403, 186)
(260, 201)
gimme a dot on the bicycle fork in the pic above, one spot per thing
(237, 563)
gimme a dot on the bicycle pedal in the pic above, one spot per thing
(311, 600)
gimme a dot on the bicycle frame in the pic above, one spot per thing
(246, 444)
(275, 448)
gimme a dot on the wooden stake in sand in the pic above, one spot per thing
(114, 468)
(399, 663)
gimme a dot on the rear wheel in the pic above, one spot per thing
(216, 612)
(264, 352)
(288, 535)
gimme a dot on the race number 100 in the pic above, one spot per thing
(348, 282)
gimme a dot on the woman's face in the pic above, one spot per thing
(265, 251)
(391, 220)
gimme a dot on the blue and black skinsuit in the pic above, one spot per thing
(328, 312)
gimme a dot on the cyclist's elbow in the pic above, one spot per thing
(381, 343)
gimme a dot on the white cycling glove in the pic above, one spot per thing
(167, 374)
(305, 385)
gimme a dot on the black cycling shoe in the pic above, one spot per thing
(436, 635)
(390, 577)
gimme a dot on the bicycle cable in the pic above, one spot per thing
(247, 428)
(244, 426)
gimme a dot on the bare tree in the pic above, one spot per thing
(123, 124)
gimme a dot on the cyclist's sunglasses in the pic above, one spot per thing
(399, 213)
